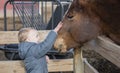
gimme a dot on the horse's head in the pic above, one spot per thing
(79, 26)
(81, 23)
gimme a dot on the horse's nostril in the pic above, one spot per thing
(60, 46)
(59, 50)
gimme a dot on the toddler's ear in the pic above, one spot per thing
(39, 38)
(27, 39)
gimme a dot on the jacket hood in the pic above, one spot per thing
(24, 48)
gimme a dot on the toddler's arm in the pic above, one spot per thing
(46, 45)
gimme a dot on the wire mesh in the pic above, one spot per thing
(38, 14)
(28, 13)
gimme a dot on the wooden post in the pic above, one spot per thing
(78, 61)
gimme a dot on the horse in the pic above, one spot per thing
(86, 20)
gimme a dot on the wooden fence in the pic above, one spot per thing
(106, 48)
(101, 45)
(64, 65)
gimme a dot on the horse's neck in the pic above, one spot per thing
(108, 10)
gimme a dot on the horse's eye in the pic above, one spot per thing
(70, 16)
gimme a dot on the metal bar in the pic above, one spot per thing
(52, 15)
(42, 12)
(45, 12)
(32, 18)
(14, 27)
(5, 16)
(61, 6)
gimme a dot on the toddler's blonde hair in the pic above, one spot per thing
(23, 34)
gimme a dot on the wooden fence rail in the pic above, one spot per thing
(11, 37)
(106, 48)
(61, 65)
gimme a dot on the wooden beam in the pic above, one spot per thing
(12, 67)
(11, 37)
(81, 65)
(78, 61)
(53, 66)
(106, 48)
(88, 68)
(61, 65)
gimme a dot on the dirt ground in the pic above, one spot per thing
(97, 61)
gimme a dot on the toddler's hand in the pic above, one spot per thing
(58, 27)
(47, 59)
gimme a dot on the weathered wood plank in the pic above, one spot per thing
(88, 68)
(11, 67)
(53, 66)
(59, 65)
(11, 37)
(106, 48)
(78, 61)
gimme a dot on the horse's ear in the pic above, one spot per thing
(76, 2)
(82, 1)
(79, 2)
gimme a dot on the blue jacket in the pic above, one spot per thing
(34, 54)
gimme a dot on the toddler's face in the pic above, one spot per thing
(33, 36)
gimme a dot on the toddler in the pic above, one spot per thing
(34, 52)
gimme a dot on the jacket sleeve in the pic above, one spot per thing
(42, 48)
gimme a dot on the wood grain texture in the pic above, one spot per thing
(11, 37)
(58, 65)
(106, 48)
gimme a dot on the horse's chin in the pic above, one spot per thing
(62, 51)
